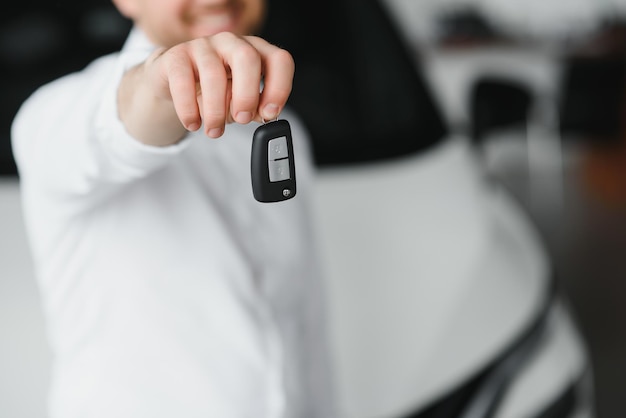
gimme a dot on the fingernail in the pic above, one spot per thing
(243, 117)
(270, 111)
(215, 133)
(194, 126)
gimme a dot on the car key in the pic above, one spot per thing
(272, 162)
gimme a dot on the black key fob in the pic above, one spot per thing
(272, 162)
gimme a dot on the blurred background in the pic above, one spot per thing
(537, 85)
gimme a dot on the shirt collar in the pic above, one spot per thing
(137, 41)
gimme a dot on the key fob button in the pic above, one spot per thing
(279, 170)
(277, 148)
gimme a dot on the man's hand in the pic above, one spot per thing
(205, 82)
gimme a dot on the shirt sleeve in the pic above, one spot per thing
(138, 158)
(69, 142)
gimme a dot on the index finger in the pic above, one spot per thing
(278, 70)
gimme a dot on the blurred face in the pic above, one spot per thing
(170, 22)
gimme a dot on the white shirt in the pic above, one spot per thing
(168, 290)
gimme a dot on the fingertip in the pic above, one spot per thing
(243, 117)
(270, 111)
(215, 132)
(193, 126)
